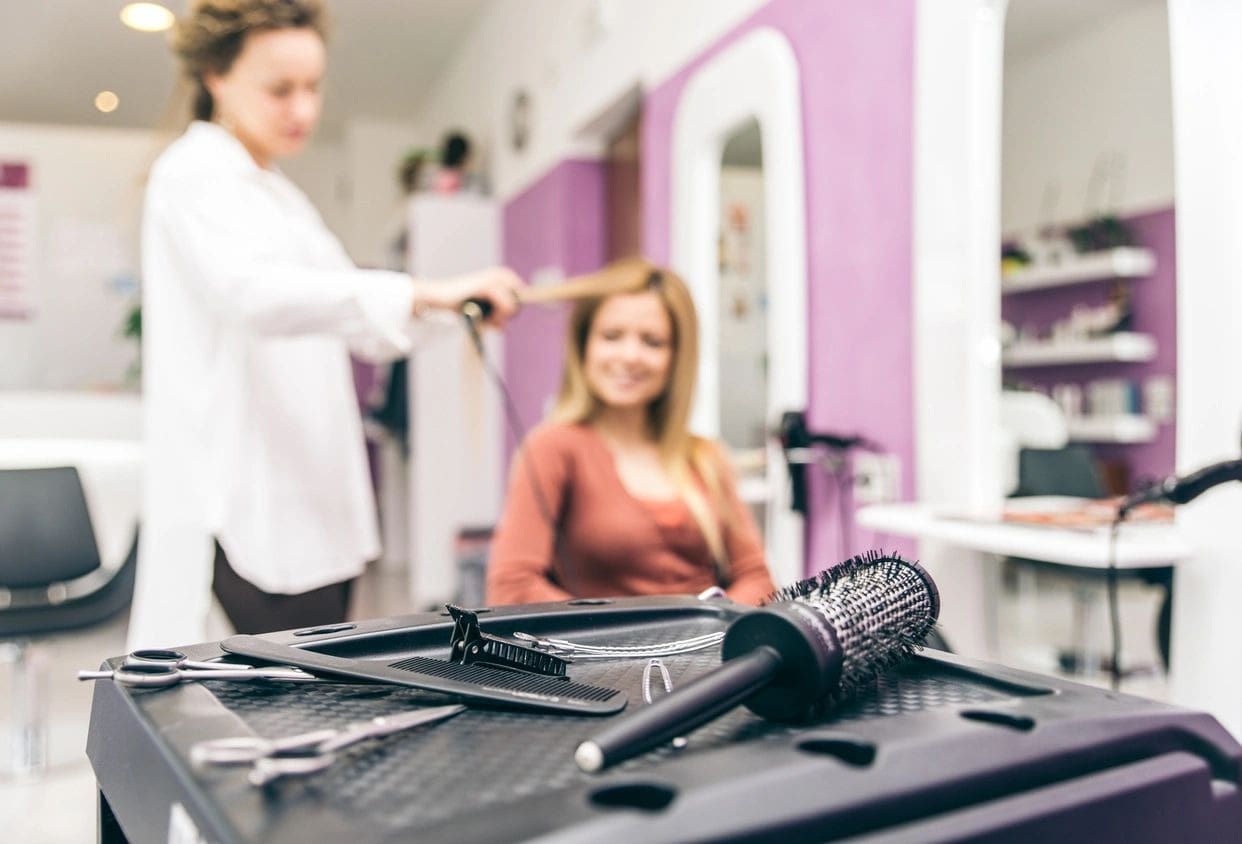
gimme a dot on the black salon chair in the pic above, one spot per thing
(51, 581)
(1071, 471)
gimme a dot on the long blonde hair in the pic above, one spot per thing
(691, 462)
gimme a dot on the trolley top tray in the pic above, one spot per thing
(941, 738)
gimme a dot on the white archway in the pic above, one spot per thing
(756, 77)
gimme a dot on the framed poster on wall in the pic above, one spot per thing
(17, 222)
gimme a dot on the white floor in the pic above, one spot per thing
(59, 806)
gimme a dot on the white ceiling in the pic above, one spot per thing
(55, 55)
(384, 55)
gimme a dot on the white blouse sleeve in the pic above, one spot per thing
(238, 261)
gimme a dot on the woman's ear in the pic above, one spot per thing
(213, 82)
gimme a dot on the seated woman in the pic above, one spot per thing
(613, 495)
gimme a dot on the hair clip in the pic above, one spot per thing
(471, 646)
(677, 742)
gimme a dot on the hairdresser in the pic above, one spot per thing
(256, 484)
(613, 495)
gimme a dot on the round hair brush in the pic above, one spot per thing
(813, 644)
(477, 309)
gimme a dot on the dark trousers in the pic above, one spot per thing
(251, 610)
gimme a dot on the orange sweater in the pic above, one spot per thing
(609, 542)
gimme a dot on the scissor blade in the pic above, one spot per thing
(393, 723)
(384, 725)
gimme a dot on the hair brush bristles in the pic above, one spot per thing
(881, 608)
(816, 642)
(869, 560)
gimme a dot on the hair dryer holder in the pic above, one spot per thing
(803, 447)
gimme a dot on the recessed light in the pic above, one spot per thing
(146, 17)
(107, 101)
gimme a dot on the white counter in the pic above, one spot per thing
(1138, 545)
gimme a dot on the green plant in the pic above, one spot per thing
(131, 328)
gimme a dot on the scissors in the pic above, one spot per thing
(176, 659)
(308, 753)
(152, 669)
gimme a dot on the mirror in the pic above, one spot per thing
(1088, 288)
(742, 307)
(1088, 302)
(742, 310)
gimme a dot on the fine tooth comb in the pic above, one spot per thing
(470, 683)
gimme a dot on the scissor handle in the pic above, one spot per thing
(239, 750)
(151, 675)
(157, 655)
(177, 659)
(140, 675)
(265, 770)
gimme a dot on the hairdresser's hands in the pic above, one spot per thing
(498, 285)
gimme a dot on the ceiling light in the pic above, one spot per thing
(106, 101)
(146, 17)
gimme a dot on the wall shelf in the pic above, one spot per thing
(1124, 346)
(1120, 428)
(1122, 262)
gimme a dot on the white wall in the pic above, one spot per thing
(1207, 626)
(373, 150)
(88, 188)
(352, 180)
(957, 293)
(88, 184)
(1104, 91)
(575, 59)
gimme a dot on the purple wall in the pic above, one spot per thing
(558, 222)
(1154, 302)
(856, 66)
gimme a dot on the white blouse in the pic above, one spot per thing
(253, 436)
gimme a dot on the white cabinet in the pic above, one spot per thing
(456, 438)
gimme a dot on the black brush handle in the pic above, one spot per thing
(685, 709)
(476, 309)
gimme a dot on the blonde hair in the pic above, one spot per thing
(210, 38)
(685, 457)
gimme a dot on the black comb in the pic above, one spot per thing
(467, 683)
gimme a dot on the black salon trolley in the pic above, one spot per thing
(944, 749)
